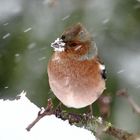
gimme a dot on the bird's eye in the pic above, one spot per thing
(63, 37)
(73, 44)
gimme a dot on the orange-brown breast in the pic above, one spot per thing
(75, 83)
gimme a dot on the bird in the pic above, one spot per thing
(77, 77)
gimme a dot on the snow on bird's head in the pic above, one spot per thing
(58, 45)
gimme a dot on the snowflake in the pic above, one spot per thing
(58, 45)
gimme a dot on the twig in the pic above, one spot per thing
(91, 123)
(118, 133)
(48, 111)
(135, 107)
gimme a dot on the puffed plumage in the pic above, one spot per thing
(76, 75)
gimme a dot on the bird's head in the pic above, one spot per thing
(76, 32)
(75, 41)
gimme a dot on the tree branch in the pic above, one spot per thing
(132, 103)
(91, 123)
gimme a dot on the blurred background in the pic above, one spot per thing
(27, 28)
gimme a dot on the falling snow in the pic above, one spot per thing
(5, 24)
(120, 71)
(78, 47)
(6, 36)
(32, 45)
(17, 55)
(66, 17)
(105, 21)
(42, 58)
(27, 30)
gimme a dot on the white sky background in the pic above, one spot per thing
(16, 115)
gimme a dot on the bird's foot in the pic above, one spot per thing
(58, 110)
(89, 114)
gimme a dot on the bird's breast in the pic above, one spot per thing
(75, 83)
